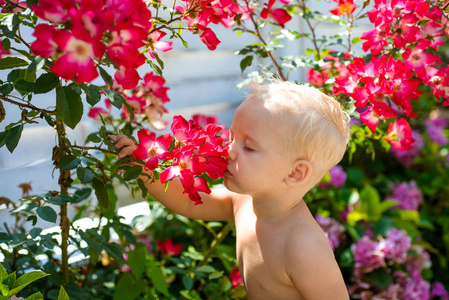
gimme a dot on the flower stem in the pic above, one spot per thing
(217, 241)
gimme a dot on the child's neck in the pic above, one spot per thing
(275, 208)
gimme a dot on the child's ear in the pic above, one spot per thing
(300, 173)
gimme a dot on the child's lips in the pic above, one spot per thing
(227, 173)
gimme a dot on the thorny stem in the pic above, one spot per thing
(64, 183)
(303, 7)
(27, 105)
(273, 59)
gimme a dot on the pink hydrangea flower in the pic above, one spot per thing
(332, 229)
(368, 255)
(408, 195)
(438, 290)
(397, 245)
(337, 177)
(435, 129)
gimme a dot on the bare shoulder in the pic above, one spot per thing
(311, 263)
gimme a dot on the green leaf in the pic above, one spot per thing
(12, 62)
(187, 281)
(69, 162)
(25, 280)
(47, 213)
(239, 292)
(114, 250)
(35, 232)
(155, 67)
(132, 172)
(136, 259)
(6, 44)
(100, 192)
(128, 288)
(115, 98)
(370, 202)
(69, 106)
(156, 275)
(45, 83)
(36, 296)
(380, 278)
(6, 89)
(246, 62)
(205, 269)
(36, 64)
(93, 95)
(106, 77)
(10, 280)
(12, 75)
(25, 207)
(24, 86)
(13, 137)
(63, 294)
(3, 135)
(3, 272)
(9, 25)
(84, 175)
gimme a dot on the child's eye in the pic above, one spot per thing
(248, 149)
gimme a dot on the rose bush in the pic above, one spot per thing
(383, 208)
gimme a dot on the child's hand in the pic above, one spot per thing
(124, 143)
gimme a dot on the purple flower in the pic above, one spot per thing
(407, 194)
(332, 229)
(397, 245)
(407, 157)
(338, 177)
(418, 260)
(438, 290)
(368, 255)
(417, 288)
(435, 129)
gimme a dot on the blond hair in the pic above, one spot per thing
(315, 126)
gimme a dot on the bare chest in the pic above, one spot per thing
(261, 259)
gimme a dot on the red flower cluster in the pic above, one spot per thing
(344, 7)
(387, 82)
(200, 13)
(279, 15)
(191, 152)
(81, 32)
(167, 247)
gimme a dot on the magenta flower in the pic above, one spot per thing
(400, 135)
(407, 157)
(279, 15)
(151, 148)
(236, 278)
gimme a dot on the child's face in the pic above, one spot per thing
(257, 163)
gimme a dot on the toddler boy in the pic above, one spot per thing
(284, 138)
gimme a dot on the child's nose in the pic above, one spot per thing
(232, 153)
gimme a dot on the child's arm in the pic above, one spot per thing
(315, 273)
(217, 206)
